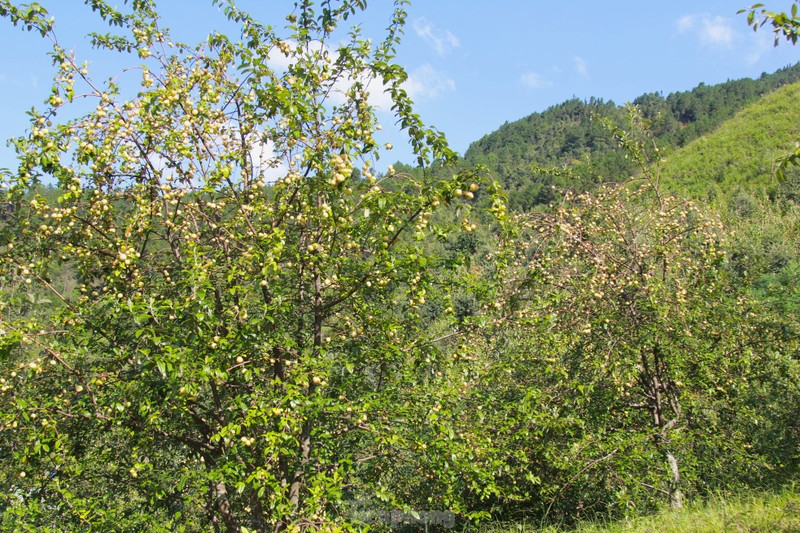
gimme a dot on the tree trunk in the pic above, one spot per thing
(662, 399)
(224, 506)
(675, 494)
(305, 435)
(299, 475)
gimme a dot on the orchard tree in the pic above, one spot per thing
(640, 290)
(628, 350)
(244, 345)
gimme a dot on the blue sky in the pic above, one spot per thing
(473, 64)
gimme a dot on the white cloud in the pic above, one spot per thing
(423, 83)
(264, 158)
(686, 23)
(280, 60)
(534, 80)
(378, 97)
(761, 44)
(581, 67)
(709, 30)
(718, 31)
(427, 82)
(30, 83)
(442, 41)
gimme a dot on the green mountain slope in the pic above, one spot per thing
(734, 169)
(566, 134)
(742, 153)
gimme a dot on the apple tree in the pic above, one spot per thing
(244, 343)
(629, 353)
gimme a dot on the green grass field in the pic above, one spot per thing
(761, 512)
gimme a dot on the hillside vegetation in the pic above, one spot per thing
(567, 134)
(187, 344)
(742, 153)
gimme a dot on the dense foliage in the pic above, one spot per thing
(742, 155)
(237, 354)
(217, 316)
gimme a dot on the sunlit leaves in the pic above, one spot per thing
(783, 24)
(247, 319)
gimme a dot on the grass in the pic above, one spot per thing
(742, 152)
(759, 512)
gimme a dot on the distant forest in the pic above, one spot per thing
(565, 135)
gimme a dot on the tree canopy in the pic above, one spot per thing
(242, 343)
(216, 315)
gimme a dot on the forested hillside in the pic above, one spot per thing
(742, 154)
(566, 134)
(735, 171)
